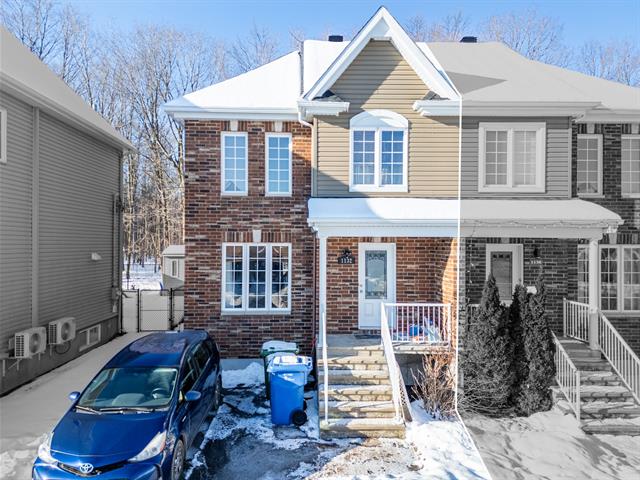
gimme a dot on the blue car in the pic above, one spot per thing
(139, 415)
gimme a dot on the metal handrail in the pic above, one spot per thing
(392, 364)
(567, 377)
(426, 323)
(575, 319)
(325, 366)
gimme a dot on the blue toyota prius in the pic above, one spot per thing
(139, 415)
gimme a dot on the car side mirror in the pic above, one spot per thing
(192, 396)
(73, 396)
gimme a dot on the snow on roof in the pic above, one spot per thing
(22, 71)
(537, 212)
(274, 86)
(318, 55)
(177, 250)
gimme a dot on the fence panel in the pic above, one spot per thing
(152, 310)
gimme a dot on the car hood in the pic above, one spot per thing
(103, 439)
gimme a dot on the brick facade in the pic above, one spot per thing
(211, 219)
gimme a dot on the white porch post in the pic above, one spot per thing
(594, 272)
(323, 283)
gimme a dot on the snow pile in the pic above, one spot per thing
(16, 463)
(551, 445)
(250, 376)
(148, 277)
(443, 447)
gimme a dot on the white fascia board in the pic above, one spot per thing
(436, 108)
(501, 231)
(428, 108)
(231, 113)
(382, 26)
(385, 229)
(610, 116)
(309, 108)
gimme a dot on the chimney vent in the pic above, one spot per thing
(335, 38)
(469, 39)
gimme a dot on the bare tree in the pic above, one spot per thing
(449, 29)
(534, 36)
(256, 49)
(618, 61)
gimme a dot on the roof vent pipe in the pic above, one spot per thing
(335, 38)
(469, 39)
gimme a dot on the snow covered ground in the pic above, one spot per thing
(30, 412)
(550, 445)
(142, 277)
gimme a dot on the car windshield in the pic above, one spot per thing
(129, 388)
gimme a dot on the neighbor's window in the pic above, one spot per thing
(583, 274)
(512, 157)
(278, 153)
(589, 168)
(620, 277)
(379, 140)
(609, 278)
(256, 277)
(631, 165)
(3, 135)
(505, 263)
(234, 163)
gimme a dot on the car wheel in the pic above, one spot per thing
(217, 399)
(177, 463)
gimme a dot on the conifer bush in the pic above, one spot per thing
(518, 311)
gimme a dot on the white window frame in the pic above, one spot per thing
(378, 121)
(620, 278)
(245, 310)
(3, 135)
(289, 191)
(245, 192)
(626, 195)
(584, 251)
(540, 129)
(516, 266)
(87, 335)
(590, 136)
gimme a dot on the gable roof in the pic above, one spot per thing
(23, 74)
(382, 26)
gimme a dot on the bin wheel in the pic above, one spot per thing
(299, 418)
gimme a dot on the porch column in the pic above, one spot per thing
(594, 270)
(323, 284)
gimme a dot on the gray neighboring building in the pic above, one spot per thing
(173, 267)
(60, 225)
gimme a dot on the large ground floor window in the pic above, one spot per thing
(256, 277)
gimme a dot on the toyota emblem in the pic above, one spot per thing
(86, 468)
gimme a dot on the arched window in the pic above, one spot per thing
(378, 159)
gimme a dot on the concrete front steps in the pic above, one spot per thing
(607, 406)
(359, 395)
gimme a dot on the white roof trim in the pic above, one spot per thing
(419, 217)
(309, 108)
(428, 108)
(573, 218)
(610, 116)
(382, 26)
(231, 113)
(376, 118)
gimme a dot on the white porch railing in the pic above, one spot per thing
(325, 366)
(568, 377)
(623, 360)
(423, 323)
(575, 320)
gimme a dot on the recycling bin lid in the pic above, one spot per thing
(278, 346)
(287, 362)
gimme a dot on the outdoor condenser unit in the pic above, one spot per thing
(30, 342)
(61, 331)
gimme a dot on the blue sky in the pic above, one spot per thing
(227, 19)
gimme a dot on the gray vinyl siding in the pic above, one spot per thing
(380, 78)
(558, 169)
(78, 178)
(15, 220)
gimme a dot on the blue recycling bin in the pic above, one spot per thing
(287, 396)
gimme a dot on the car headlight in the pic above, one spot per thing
(153, 448)
(44, 450)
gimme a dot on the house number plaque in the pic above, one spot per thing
(346, 257)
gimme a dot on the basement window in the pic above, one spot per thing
(90, 336)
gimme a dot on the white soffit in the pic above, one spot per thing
(382, 26)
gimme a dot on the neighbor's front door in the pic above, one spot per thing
(376, 281)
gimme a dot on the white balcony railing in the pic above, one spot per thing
(575, 320)
(422, 323)
(568, 377)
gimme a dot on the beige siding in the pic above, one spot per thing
(557, 159)
(379, 78)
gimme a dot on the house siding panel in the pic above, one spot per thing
(379, 78)
(15, 220)
(557, 157)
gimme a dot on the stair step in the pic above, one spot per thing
(356, 377)
(611, 427)
(358, 409)
(610, 410)
(592, 365)
(356, 392)
(363, 427)
(604, 393)
(355, 362)
(588, 377)
(360, 350)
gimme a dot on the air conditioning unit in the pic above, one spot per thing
(61, 331)
(30, 342)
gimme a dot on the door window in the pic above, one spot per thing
(502, 269)
(376, 274)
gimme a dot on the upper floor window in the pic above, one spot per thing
(278, 158)
(234, 163)
(512, 157)
(379, 152)
(631, 165)
(589, 165)
(3, 135)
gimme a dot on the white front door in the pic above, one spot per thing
(376, 281)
